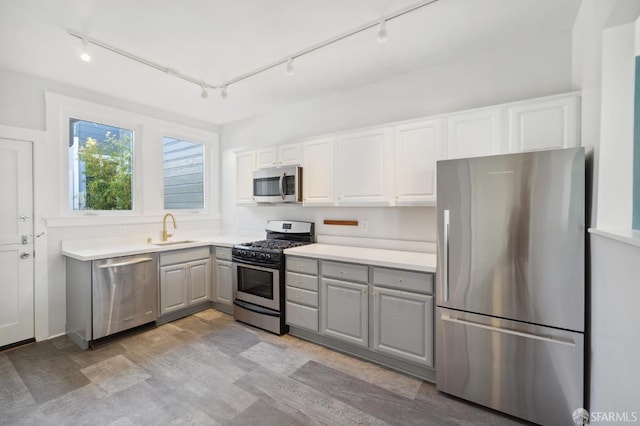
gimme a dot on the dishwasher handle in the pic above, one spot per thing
(127, 263)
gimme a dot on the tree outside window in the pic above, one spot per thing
(101, 166)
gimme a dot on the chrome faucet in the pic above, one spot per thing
(165, 234)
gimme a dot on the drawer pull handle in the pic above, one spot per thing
(299, 281)
(399, 281)
(342, 271)
(364, 291)
(375, 293)
(299, 316)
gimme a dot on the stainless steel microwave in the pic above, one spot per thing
(278, 185)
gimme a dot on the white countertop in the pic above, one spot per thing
(85, 250)
(411, 260)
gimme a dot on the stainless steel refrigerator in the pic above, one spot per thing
(510, 316)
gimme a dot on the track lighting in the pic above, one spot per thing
(382, 32)
(381, 24)
(84, 54)
(290, 70)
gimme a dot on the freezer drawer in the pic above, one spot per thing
(532, 372)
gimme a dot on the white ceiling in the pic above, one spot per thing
(217, 40)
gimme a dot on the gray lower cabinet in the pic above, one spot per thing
(344, 308)
(223, 279)
(185, 277)
(385, 315)
(403, 324)
(301, 280)
(224, 287)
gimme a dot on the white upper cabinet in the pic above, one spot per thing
(277, 156)
(364, 167)
(318, 180)
(544, 124)
(417, 148)
(474, 133)
(245, 164)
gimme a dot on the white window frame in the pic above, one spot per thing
(210, 151)
(147, 171)
(111, 117)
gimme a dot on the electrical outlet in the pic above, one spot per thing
(120, 231)
(364, 225)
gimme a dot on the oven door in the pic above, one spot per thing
(257, 285)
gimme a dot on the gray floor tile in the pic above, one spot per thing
(45, 371)
(301, 401)
(273, 358)
(115, 374)
(231, 338)
(265, 414)
(369, 398)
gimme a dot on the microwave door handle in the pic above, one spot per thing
(281, 186)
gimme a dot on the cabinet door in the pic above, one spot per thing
(403, 325)
(224, 289)
(364, 162)
(318, 172)
(289, 155)
(173, 288)
(245, 164)
(345, 311)
(266, 157)
(199, 281)
(417, 147)
(544, 124)
(475, 133)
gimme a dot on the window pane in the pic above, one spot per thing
(100, 166)
(183, 166)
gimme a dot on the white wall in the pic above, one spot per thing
(540, 67)
(604, 53)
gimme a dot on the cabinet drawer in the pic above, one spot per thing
(184, 255)
(403, 280)
(223, 253)
(302, 316)
(302, 265)
(345, 271)
(307, 282)
(304, 297)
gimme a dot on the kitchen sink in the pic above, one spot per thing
(171, 243)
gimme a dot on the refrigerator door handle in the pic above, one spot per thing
(447, 318)
(445, 257)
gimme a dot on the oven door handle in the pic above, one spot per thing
(250, 265)
(255, 308)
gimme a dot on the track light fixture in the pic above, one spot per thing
(84, 54)
(382, 32)
(381, 24)
(290, 70)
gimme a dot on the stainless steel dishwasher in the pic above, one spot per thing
(107, 296)
(125, 293)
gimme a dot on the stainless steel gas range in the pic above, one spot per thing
(258, 274)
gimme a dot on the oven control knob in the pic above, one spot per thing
(263, 256)
(253, 254)
(267, 256)
(243, 252)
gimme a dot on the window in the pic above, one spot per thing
(100, 166)
(183, 173)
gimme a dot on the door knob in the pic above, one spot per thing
(24, 218)
(25, 255)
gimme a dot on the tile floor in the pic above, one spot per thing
(207, 369)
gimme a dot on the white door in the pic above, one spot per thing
(16, 242)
